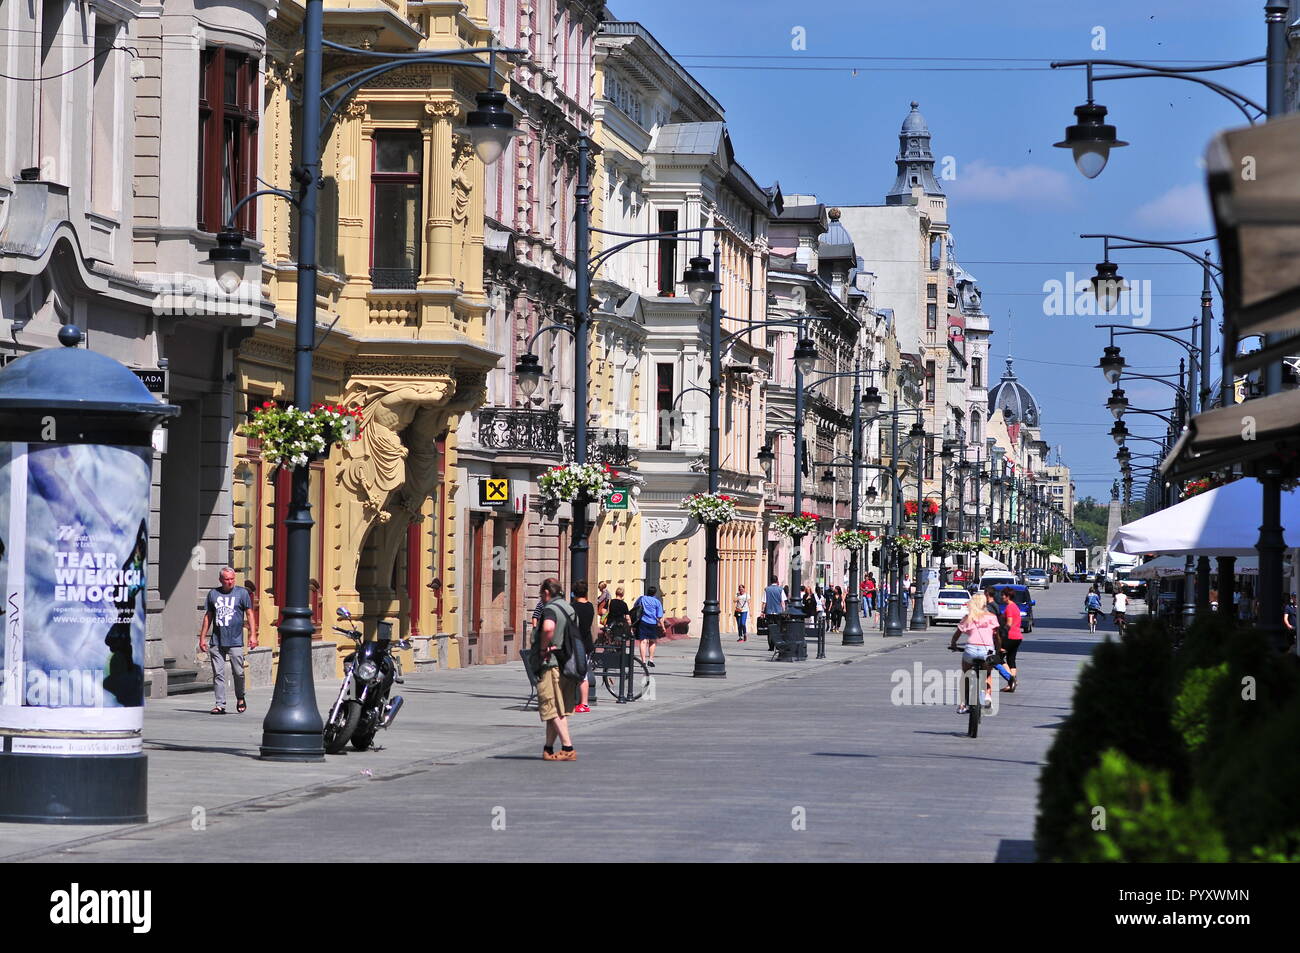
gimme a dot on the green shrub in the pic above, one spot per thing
(1191, 711)
(1143, 822)
(1122, 701)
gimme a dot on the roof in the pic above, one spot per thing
(1015, 401)
(689, 138)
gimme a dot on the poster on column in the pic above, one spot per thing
(74, 536)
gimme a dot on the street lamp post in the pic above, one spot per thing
(918, 436)
(852, 605)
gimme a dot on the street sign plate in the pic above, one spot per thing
(153, 378)
(493, 491)
(617, 500)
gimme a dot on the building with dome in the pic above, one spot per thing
(1013, 398)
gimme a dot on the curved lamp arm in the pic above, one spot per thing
(1151, 70)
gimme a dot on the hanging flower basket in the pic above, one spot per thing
(931, 507)
(795, 526)
(852, 539)
(1197, 487)
(712, 508)
(292, 437)
(563, 484)
(911, 544)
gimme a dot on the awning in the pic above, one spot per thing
(1162, 567)
(1219, 522)
(1255, 196)
(1221, 437)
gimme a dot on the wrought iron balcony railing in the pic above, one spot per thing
(604, 445)
(519, 429)
(393, 279)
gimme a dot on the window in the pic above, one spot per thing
(664, 404)
(620, 93)
(395, 210)
(51, 91)
(668, 256)
(932, 291)
(929, 382)
(932, 316)
(228, 100)
(976, 372)
(104, 163)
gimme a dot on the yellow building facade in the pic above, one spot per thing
(401, 282)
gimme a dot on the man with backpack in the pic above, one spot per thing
(647, 624)
(556, 643)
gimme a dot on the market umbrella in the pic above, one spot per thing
(1163, 567)
(1219, 522)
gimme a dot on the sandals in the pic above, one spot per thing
(242, 706)
(217, 710)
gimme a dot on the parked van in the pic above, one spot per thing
(996, 579)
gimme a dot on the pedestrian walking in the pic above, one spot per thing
(1012, 636)
(773, 610)
(869, 595)
(648, 618)
(618, 621)
(586, 613)
(227, 613)
(556, 692)
(836, 609)
(742, 613)
(602, 601)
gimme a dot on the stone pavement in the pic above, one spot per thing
(801, 761)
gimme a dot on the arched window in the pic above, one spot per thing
(975, 434)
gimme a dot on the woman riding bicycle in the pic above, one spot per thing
(1092, 605)
(981, 628)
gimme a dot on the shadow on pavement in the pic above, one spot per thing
(205, 749)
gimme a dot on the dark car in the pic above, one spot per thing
(1020, 596)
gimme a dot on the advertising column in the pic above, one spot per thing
(75, 462)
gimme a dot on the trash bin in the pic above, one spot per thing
(75, 463)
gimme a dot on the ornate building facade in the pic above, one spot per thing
(401, 284)
(529, 259)
(667, 163)
(112, 183)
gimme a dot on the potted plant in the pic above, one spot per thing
(852, 539)
(793, 525)
(291, 437)
(715, 508)
(563, 484)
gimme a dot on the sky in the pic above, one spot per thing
(824, 119)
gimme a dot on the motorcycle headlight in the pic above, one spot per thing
(367, 671)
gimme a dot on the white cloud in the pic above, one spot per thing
(1183, 206)
(980, 181)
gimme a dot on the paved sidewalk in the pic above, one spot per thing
(202, 763)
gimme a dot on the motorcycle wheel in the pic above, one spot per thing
(363, 741)
(339, 731)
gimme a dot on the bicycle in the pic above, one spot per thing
(976, 710)
(1121, 623)
(1092, 621)
(625, 677)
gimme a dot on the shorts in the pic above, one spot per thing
(648, 632)
(1012, 646)
(976, 653)
(556, 694)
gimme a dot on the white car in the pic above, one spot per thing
(1037, 578)
(952, 605)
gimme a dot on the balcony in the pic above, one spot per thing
(519, 430)
(604, 445)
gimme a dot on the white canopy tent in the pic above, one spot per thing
(1219, 522)
(1163, 567)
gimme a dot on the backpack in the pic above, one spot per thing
(571, 653)
(636, 612)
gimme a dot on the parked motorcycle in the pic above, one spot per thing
(363, 705)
